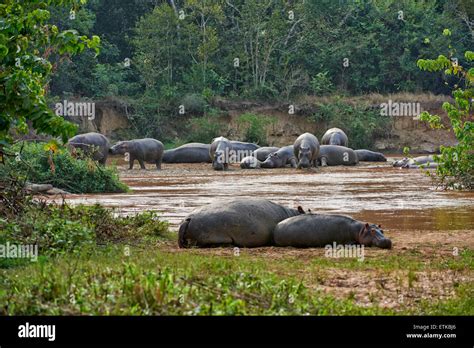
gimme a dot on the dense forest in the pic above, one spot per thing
(158, 56)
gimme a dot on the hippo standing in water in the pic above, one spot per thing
(220, 153)
(143, 150)
(281, 158)
(335, 136)
(335, 155)
(242, 149)
(319, 230)
(94, 145)
(262, 153)
(370, 156)
(240, 222)
(188, 153)
(306, 149)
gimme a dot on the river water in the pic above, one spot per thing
(399, 199)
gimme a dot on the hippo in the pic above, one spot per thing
(319, 230)
(370, 156)
(428, 165)
(92, 144)
(280, 158)
(242, 149)
(335, 136)
(144, 150)
(306, 148)
(263, 152)
(407, 162)
(220, 153)
(336, 155)
(242, 222)
(250, 162)
(188, 153)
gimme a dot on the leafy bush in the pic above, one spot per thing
(194, 104)
(456, 163)
(203, 130)
(42, 163)
(321, 84)
(361, 124)
(255, 127)
(56, 229)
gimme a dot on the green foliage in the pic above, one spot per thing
(361, 123)
(255, 127)
(26, 41)
(456, 163)
(321, 84)
(203, 130)
(194, 104)
(46, 164)
(59, 229)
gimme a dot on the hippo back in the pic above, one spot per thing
(335, 136)
(239, 222)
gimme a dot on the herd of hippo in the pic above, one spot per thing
(257, 222)
(305, 152)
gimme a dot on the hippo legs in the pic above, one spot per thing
(324, 162)
(158, 164)
(142, 164)
(293, 163)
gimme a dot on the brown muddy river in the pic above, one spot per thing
(399, 199)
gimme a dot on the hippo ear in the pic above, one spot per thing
(380, 226)
(367, 226)
(301, 210)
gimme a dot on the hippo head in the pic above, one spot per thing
(218, 161)
(120, 148)
(273, 160)
(372, 235)
(304, 157)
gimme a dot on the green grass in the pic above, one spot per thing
(144, 279)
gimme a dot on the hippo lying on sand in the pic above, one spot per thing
(281, 158)
(94, 145)
(335, 136)
(143, 150)
(335, 155)
(414, 162)
(250, 162)
(306, 149)
(220, 153)
(318, 230)
(263, 152)
(370, 156)
(188, 153)
(240, 222)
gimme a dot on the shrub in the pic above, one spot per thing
(56, 229)
(361, 124)
(203, 130)
(194, 104)
(42, 163)
(321, 84)
(255, 127)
